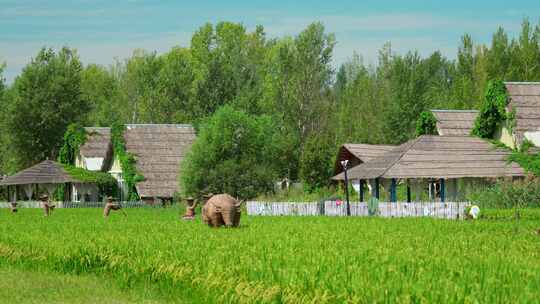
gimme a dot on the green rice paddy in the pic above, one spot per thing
(282, 259)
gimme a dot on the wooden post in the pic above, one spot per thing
(393, 194)
(361, 190)
(377, 188)
(443, 194)
(408, 192)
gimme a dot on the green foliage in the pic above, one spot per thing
(283, 259)
(317, 163)
(101, 89)
(106, 183)
(492, 112)
(234, 153)
(299, 194)
(46, 99)
(526, 159)
(127, 161)
(426, 124)
(74, 138)
(510, 194)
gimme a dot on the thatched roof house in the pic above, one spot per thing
(439, 157)
(158, 149)
(96, 153)
(455, 122)
(358, 154)
(525, 100)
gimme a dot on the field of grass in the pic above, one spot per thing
(282, 259)
(31, 286)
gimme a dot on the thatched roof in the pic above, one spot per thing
(455, 122)
(96, 152)
(525, 99)
(46, 172)
(359, 153)
(439, 157)
(159, 150)
(98, 143)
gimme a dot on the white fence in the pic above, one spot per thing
(449, 210)
(37, 204)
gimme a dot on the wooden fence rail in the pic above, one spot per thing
(449, 210)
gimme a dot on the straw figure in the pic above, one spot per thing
(221, 209)
(111, 205)
(48, 208)
(13, 207)
(190, 209)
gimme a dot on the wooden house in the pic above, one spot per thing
(525, 101)
(429, 159)
(158, 149)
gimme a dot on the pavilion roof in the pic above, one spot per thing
(46, 172)
(439, 157)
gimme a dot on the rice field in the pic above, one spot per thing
(284, 259)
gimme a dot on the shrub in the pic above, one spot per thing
(492, 110)
(510, 194)
(234, 153)
(426, 124)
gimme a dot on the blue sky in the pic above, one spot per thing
(105, 30)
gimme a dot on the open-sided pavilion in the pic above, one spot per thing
(429, 159)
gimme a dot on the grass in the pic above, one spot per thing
(284, 259)
(26, 286)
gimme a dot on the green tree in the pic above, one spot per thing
(47, 98)
(234, 153)
(100, 88)
(316, 163)
(175, 84)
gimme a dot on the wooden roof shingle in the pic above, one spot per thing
(439, 157)
(159, 150)
(455, 122)
(98, 143)
(525, 100)
(46, 172)
(359, 153)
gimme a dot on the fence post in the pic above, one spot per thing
(393, 196)
(443, 194)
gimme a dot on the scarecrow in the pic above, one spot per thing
(111, 205)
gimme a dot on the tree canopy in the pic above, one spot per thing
(234, 153)
(291, 80)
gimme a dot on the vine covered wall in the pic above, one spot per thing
(493, 112)
(127, 161)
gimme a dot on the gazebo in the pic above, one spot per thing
(48, 174)
(434, 160)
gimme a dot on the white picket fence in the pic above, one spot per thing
(448, 210)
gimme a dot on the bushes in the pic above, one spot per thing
(234, 153)
(528, 161)
(105, 181)
(506, 194)
(426, 124)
